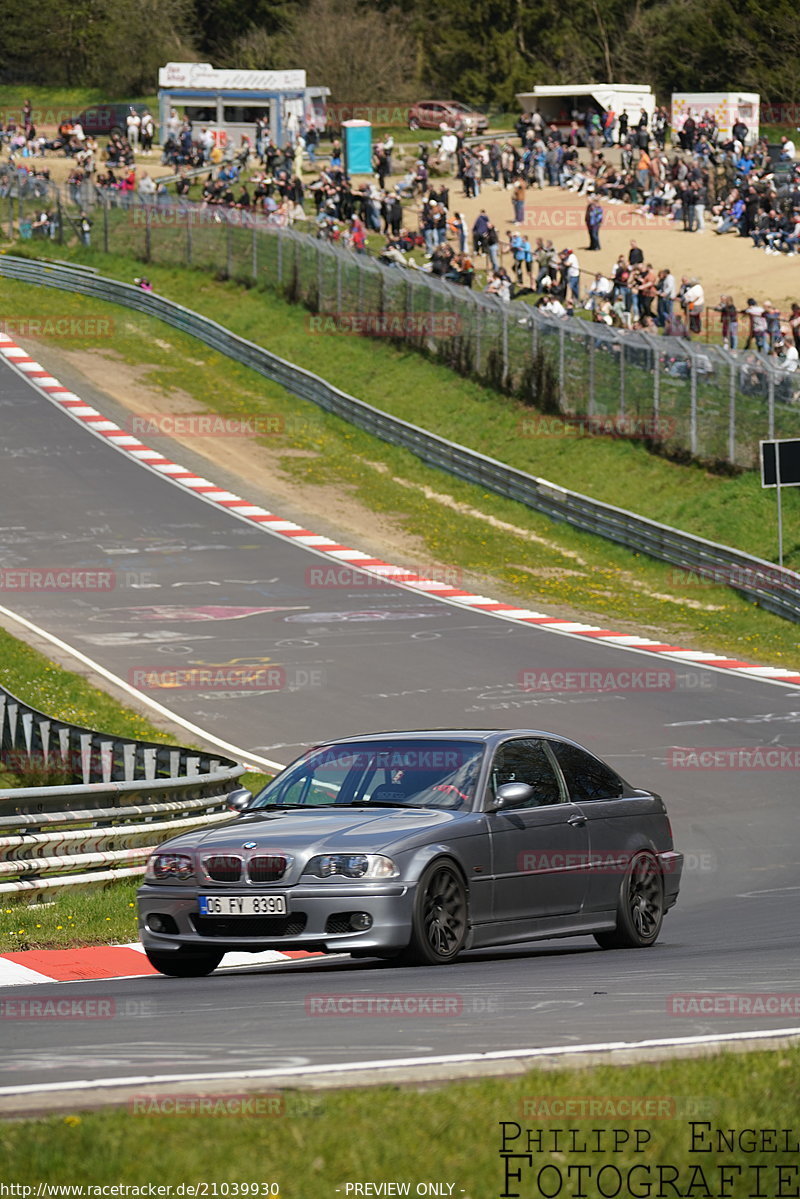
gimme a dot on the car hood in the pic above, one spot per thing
(328, 830)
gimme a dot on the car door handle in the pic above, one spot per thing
(576, 820)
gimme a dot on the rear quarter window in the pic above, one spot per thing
(587, 777)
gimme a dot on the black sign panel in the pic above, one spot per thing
(789, 463)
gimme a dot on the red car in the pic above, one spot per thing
(432, 114)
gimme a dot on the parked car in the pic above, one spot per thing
(108, 118)
(417, 845)
(432, 114)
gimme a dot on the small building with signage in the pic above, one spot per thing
(230, 102)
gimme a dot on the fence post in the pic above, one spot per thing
(189, 223)
(505, 345)
(693, 404)
(338, 285)
(732, 415)
(656, 386)
(228, 249)
(280, 259)
(621, 410)
(478, 334)
(318, 252)
(147, 234)
(771, 402)
(592, 348)
(60, 223)
(255, 252)
(105, 222)
(562, 338)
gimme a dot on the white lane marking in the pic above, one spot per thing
(241, 755)
(767, 891)
(444, 1059)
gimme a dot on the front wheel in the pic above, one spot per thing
(640, 908)
(439, 926)
(413, 124)
(180, 963)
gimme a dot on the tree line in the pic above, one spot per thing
(481, 51)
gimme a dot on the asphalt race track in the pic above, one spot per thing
(195, 586)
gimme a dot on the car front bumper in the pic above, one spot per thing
(317, 919)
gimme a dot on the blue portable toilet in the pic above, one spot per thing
(357, 147)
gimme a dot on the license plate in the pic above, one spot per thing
(242, 905)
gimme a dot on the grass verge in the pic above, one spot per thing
(453, 1135)
(522, 554)
(68, 921)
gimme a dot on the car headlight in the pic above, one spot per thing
(164, 866)
(352, 865)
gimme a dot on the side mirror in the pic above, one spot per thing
(239, 800)
(511, 795)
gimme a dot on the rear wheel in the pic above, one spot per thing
(180, 963)
(439, 926)
(640, 909)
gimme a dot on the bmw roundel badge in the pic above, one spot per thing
(249, 845)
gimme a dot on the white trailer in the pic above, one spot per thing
(558, 104)
(726, 107)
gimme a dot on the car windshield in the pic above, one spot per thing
(408, 773)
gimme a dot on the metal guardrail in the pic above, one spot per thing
(127, 797)
(774, 588)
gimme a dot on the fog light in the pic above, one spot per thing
(360, 920)
(158, 923)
